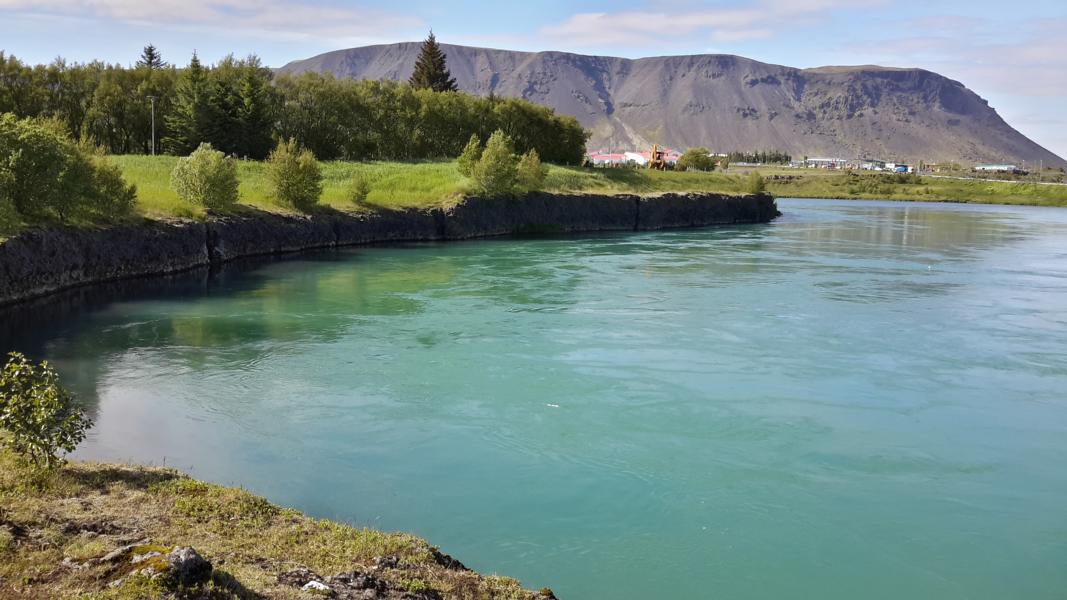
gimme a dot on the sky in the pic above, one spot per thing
(1012, 54)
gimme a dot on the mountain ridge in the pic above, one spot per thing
(726, 102)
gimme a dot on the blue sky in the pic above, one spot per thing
(1012, 54)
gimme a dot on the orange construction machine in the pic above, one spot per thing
(656, 160)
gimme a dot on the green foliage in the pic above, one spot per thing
(151, 59)
(496, 172)
(754, 184)
(531, 173)
(206, 178)
(40, 417)
(237, 107)
(359, 188)
(472, 152)
(696, 159)
(295, 175)
(763, 157)
(431, 69)
(44, 175)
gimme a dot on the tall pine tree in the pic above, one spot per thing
(151, 58)
(193, 117)
(431, 69)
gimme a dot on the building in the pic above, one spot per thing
(997, 168)
(825, 163)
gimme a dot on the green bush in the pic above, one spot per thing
(496, 172)
(696, 159)
(359, 188)
(472, 152)
(206, 178)
(40, 417)
(45, 175)
(755, 184)
(531, 173)
(295, 175)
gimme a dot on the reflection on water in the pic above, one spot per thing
(861, 399)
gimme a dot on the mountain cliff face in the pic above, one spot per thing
(726, 102)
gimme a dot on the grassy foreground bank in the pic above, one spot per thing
(55, 531)
(427, 184)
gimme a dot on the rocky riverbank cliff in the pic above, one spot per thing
(42, 261)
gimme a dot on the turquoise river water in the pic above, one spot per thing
(860, 400)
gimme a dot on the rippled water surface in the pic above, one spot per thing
(861, 400)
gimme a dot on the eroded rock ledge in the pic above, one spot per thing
(40, 262)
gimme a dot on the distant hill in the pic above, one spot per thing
(727, 102)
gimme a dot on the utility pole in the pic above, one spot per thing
(152, 99)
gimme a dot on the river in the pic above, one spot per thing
(859, 400)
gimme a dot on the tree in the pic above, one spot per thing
(471, 153)
(696, 159)
(207, 178)
(431, 69)
(151, 58)
(496, 171)
(44, 175)
(193, 116)
(295, 175)
(755, 184)
(531, 173)
(40, 417)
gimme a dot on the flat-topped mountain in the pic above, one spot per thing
(726, 102)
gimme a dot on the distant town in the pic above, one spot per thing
(636, 158)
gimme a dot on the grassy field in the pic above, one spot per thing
(424, 184)
(55, 531)
(427, 184)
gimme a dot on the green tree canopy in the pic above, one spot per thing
(431, 69)
(151, 58)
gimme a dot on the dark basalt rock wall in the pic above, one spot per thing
(39, 262)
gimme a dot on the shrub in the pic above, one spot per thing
(531, 173)
(207, 178)
(496, 171)
(45, 175)
(696, 159)
(754, 184)
(295, 175)
(359, 188)
(472, 152)
(40, 416)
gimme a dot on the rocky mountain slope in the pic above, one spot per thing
(727, 102)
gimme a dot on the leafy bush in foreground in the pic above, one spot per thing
(45, 175)
(207, 178)
(496, 172)
(696, 159)
(295, 175)
(40, 417)
(470, 156)
(531, 173)
(755, 184)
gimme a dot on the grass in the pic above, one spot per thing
(426, 184)
(51, 529)
(817, 183)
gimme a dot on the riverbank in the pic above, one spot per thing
(42, 261)
(109, 532)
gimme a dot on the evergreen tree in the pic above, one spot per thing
(151, 58)
(431, 69)
(192, 117)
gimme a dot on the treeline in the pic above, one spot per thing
(768, 157)
(240, 108)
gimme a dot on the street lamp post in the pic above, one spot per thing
(152, 99)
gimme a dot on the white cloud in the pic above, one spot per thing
(294, 20)
(650, 28)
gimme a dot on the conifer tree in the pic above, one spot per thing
(431, 69)
(193, 116)
(151, 58)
